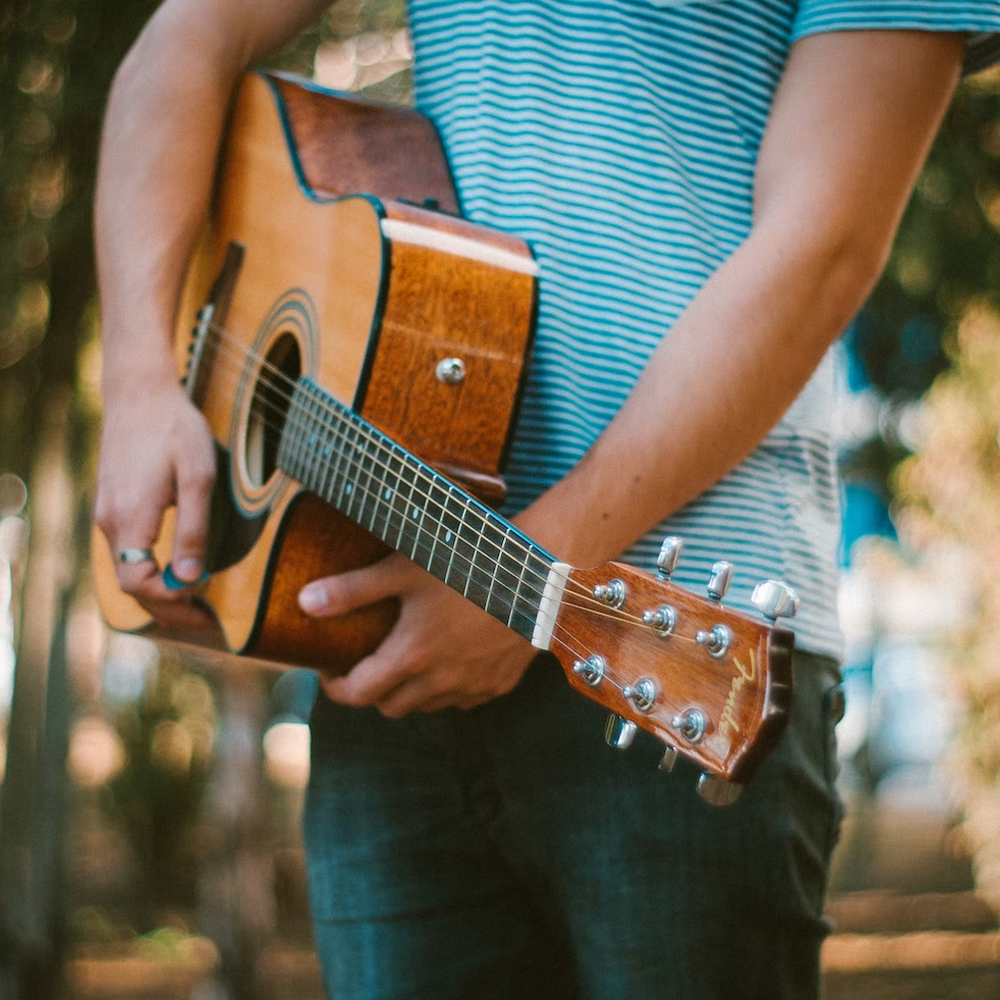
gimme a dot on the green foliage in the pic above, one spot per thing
(947, 252)
(57, 58)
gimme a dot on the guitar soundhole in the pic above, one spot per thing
(276, 379)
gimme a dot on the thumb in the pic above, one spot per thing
(344, 592)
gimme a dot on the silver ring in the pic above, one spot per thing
(132, 556)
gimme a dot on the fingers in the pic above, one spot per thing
(406, 675)
(336, 595)
(142, 579)
(147, 466)
(195, 482)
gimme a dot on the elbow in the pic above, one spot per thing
(834, 266)
(851, 265)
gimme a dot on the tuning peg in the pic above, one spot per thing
(718, 582)
(613, 593)
(775, 600)
(717, 792)
(716, 640)
(670, 755)
(619, 732)
(642, 694)
(666, 560)
(692, 725)
(663, 620)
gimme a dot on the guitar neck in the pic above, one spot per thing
(411, 507)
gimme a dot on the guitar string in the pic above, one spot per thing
(533, 590)
(593, 605)
(236, 352)
(563, 636)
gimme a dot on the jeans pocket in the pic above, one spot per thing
(833, 706)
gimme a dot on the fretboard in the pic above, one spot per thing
(414, 509)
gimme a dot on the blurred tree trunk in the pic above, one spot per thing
(48, 140)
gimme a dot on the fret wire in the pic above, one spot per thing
(299, 432)
(346, 469)
(390, 501)
(363, 450)
(494, 575)
(358, 496)
(312, 439)
(356, 503)
(367, 497)
(321, 448)
(453, 523)
(318, 434)
(326, 478)
(420, 513)
(440, 522)
(286, 449)
(332, 406)
(340, 476)
(517, 592)
(474, 582)
(405, 505)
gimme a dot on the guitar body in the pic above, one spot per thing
(359, 361)
(381, 303)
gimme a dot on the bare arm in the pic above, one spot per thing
(852, 123)
(161, 136)
(853, 120)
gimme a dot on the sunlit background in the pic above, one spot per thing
(149, 809)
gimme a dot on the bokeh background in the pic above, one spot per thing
(149, 803)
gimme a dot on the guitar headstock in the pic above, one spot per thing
(713, 683)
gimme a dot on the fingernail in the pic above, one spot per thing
(188, 569)
(313, 598)
(173, 582)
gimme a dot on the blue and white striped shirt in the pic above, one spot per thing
(619, 138)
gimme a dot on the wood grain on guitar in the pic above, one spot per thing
(359, 360)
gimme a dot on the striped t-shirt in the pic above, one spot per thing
(619, 138)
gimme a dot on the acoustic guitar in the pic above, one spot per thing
(359, 359)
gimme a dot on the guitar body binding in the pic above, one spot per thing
(299, 275)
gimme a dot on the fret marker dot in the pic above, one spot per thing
(448, 536)
(416, 513)
(387, 494)
(349, 488)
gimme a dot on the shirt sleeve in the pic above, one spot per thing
(980, 19)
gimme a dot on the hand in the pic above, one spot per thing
(443, 651)
(156, 451)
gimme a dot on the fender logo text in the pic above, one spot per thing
(744, 675)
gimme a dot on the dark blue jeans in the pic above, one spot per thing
(508, 852)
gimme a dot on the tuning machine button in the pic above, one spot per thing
(719, 580)
(775, 600)
(619, 732)
(718, 792)
(592, 669)
(669, 758)
(666, 559)
(613, 593)
(663, 620)
(691, 725)
(642, 694)
(716, 640)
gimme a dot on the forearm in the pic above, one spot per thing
(723, 377)
(162, 130)
(851, 126)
